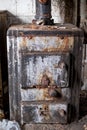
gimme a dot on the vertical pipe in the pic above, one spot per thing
(43, 11)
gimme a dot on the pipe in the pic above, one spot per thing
(43, 11)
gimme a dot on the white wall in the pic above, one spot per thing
(24, 10)
(83, 9)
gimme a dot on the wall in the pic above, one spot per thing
(83, 9)
(23, 11)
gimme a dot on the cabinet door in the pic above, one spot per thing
(45, 91)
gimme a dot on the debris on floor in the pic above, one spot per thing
(9, 125)
(80, 125)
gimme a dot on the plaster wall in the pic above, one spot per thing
(23, 11)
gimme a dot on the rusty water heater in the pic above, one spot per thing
(44, 69)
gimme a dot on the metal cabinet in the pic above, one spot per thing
(44, 69)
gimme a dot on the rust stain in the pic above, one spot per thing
(34, 26)
(45, 94)
(66, 41)
(30, 37)
(23, 43)
(48, 75)
(63, 44)
(71, 42)
(59, 49)
(45, 81)
(51, 93)
(22, 34)
(43, 1)
(44, 112)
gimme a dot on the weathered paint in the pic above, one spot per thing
(39, 94)
(56, 27)
(33, 68)
(37, 69)
(46, 43)
(44, 113)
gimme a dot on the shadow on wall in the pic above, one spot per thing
(68, 11)
(12, 20)
(65, 8)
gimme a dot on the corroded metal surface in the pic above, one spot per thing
(55, 67)
(44, 113)
(57, 27)
(38, 30)
(47, 44)
(44, 76)
(38, 94)
(43, 1)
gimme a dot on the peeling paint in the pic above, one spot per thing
(34, 67)
(44, 44)
(38, 94)
(42, 62)
(45, 113)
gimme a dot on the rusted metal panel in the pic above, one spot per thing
(30, 30)
(44, 113)
(48, 44)
(39, 94)
(37, 70)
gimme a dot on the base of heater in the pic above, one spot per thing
(44, 127)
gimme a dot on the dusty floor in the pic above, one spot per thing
(81, 125)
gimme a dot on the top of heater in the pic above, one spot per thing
(57, 29)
